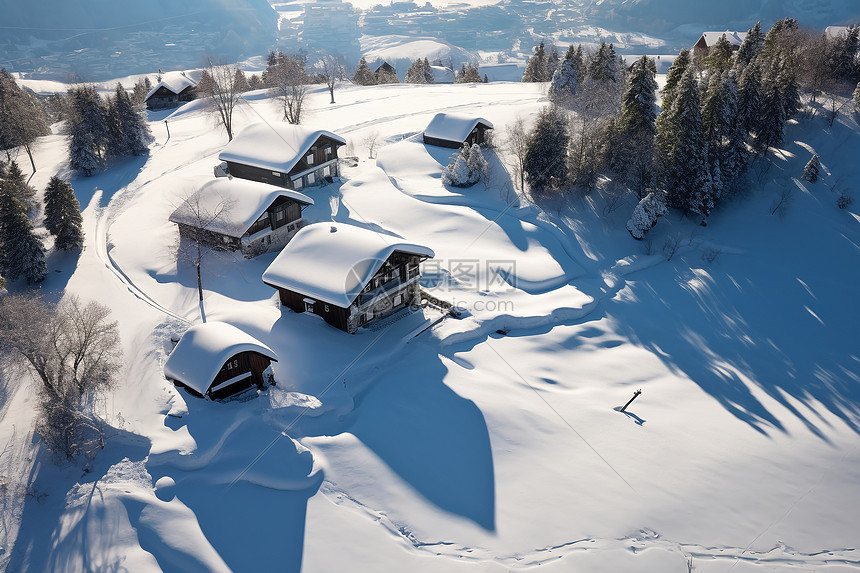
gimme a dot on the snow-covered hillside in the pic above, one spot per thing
(491, 442)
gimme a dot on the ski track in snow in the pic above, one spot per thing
(641, 540)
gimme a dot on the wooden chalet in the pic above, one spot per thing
(174, 89)
(454, 130)
(385, 68)
(347, 275)
(290, 156)
(252, 217)
(707, 40)
(216, 360)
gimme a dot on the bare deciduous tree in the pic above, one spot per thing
(197, 216)
(221, 87)
(73, 352)
(371, 142)
(287, 82)
(331, 71)
(517, 145)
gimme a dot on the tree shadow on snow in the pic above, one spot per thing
(434, 439)
(120, 174)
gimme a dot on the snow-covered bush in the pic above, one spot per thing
(810, 171)
(645, 214)
(468, 167)
(845, 200)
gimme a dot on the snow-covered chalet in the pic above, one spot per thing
(290, 156)
(217, 360)
(238, 214)
(454, 130)
(707, 40)
(174, 89)
(347, 275)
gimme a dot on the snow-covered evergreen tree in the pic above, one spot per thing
(772, 127)
(128, 130)
(673, 77)
(419, 72)
(63, 215)
(856, 98)
(553, 61)
(812, 168)
(15, 183)
(536, 67)
(467, 168)
(720, 55)
(140, 90)
(604, 65)
(638, 111)
(750, 48)
(566, 79)
(645, 214)
(22, 253)
(89, 130)
(469, 75)
(363, 75)
(789, 90)
(687, 174)
(750, 100)
(545, 162)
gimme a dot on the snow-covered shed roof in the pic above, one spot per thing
(453, 126)
(174, 81)
(333, 262)
(442, 75)
(734, 38)
(276, 146)
(203, 350)
(834, 32)
(240, 201)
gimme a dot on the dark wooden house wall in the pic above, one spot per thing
(251, 363)
(163, 98)
(281, 179)
(478, 135)
(334, 315)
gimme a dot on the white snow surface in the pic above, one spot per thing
(333, 262)
(273, 145)
(453, 126)
(203, 350)
(488, 443)
(240, 203)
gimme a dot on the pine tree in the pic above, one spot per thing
(687, 174)
(240, 81)
(22, 253)
(467, 168)
(789, 91)
(750, 101)
(638, 112)
(673, 77)
(140, 91)
(720, 55)
(63, 215)
(566, 79)
(417, 72)
(772, 128)
(545, 162)
(469, 75)
(363, 76)
(15, 183)
(89, 130)
(604, 65)
(750, 47)
(128, 131)
(428, 73)
(553, 61)
(536, 67)
(812, 168)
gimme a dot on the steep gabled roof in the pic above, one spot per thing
(276, 146)
(734, 38)
(240, 201)
(203, 350)
(173, 81)
(453, 126)
(333, 262)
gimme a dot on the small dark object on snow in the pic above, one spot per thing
(635, 394)
(502, 332)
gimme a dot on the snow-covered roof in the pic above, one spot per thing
(277, 146)
(240, 202)
(333, 262)
(203, 350)
(834, 32)
(174, 81)
(734, 38)
(453, 126)
(442, 75)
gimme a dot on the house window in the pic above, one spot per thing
(326, 308)
(310, 159)
(298, 183)
(309, 305)
(327, 171)
(327, 151)
(311, 179)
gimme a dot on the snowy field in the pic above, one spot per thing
(492, 442)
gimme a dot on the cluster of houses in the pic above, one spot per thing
(347, 275)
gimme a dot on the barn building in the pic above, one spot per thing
(216, 360)
(252, 217)
(454, 130)
(707, 40)
(174, 89)
(290, 156)
(347, 275)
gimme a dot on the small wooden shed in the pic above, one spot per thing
(174, 89)
(216, 360)
(454, 130)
